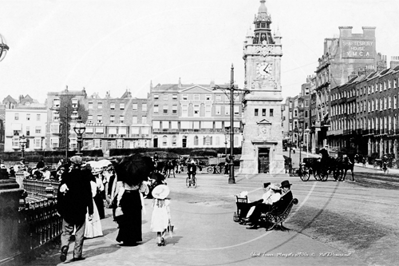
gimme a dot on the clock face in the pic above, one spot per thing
(264, 69)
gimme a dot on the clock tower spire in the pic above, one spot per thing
(262, 23)
(263, 132)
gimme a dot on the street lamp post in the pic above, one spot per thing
(307, 131)
(300, 135)
(231, 89)
(22, 142)
(79, 129)
(226, 139)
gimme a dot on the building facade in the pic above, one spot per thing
(193, 115)
(343, 55)
(25, 120)
(365, 115)
(111, 123)
(263, 133)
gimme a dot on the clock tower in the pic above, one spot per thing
(263, 131)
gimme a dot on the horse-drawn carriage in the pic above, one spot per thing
(321, 170)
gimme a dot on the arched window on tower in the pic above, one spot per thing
(263, 37)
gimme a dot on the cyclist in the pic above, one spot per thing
(192, 171)
(384, 163)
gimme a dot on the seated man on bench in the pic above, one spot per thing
(277, 206)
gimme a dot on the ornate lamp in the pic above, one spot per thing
(79, 129)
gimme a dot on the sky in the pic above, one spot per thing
(125, 45)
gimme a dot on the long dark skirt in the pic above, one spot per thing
(99, 201)
(130, 223)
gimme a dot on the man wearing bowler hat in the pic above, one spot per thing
(285, 199)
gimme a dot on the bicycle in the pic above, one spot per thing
(191, 180)
(385, 168)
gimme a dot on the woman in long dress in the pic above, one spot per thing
(131, 173)
(93, 227)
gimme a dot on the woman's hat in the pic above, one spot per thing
(275, 187)
(160, 192)
(76, 160)
(285, 183)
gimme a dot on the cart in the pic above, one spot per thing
(215, 165)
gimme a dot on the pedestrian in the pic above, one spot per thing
(131, 173)
(93, 226)
(227, 165)
(74, 200)
(100, 194)
(3, 171)
(161, 212)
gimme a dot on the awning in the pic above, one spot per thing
(16, 126)
(112, 130)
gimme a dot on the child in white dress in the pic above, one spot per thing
(161, 212)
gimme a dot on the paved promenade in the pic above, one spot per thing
(205, 233)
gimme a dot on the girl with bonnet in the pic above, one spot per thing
(161, 213)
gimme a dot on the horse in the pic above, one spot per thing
(344, 165)
(170, 168)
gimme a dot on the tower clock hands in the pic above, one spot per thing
(265, 69)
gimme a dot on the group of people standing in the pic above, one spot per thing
(123, 185)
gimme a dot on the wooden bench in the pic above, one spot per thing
(276, 218)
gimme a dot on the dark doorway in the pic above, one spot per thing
(184, 142)
(155, 142)
(263, 160)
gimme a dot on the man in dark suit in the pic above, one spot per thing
(74, 199)
(285, 199)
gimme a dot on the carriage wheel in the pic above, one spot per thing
(209, 169)
(304, 174)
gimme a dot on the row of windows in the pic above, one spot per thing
(38, 130)
(387, 122)
(372, 105)
(204, 141)
(194, 97)
(112, 119)
(17, 116)
(197, 110)
(190, 125)
(113, 106)
(36, 143)
(256, 112)
(366, 90)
